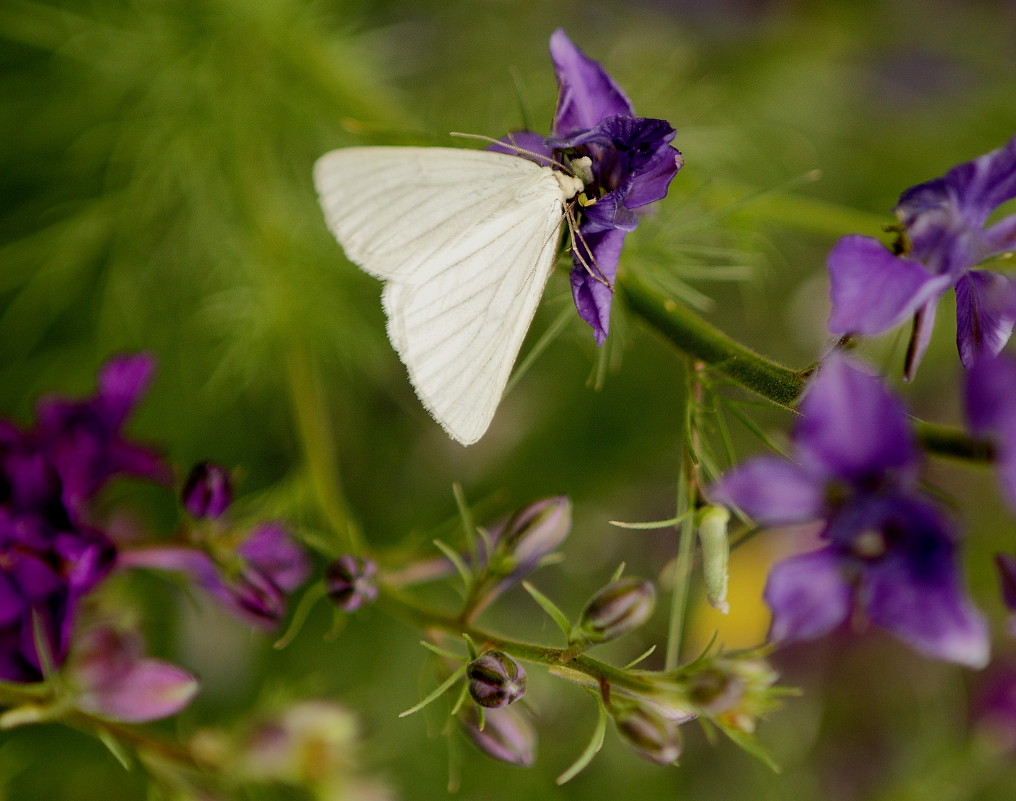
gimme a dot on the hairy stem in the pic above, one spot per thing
(699, 339)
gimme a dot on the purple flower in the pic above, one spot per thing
(351, 582)
(116, 681)
(890, 552)
(943, 238)
(632, 166)
(50, 556)
(990, 389)
(254, 582)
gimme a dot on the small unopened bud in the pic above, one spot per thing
(495, 679)
(351, 582)
(506, 734)
(652, 736)
(535, 531)
(712, 531)
(208, 491)
(615, 610)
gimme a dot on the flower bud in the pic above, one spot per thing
(506, 734)
(208, 491)
(535, 531)
(615, 610)
(351, 582)
(495, 679)
(652, 736)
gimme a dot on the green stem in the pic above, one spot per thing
(426, 618)
(697, 338)
(703, 342)
(314, 425)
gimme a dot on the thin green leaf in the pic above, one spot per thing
(548, 606)
(463, 694)
(617, 573)
(460, 566)
(115, 747)
(644, 655)
(750, 424)
(441, 690)
(313, 594)
(595, 744)
(654, 524)
(466, 515)
(440, 651)
(541, 345)
(751, 745)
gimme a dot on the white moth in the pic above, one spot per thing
(465, 241)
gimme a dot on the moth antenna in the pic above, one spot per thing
(518, 150)
(579, 245)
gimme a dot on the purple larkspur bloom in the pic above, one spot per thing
(632, 164)
(253, 582)
(51, 555)
(943, 240)
(890, 552)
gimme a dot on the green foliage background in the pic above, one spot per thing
(155, 193)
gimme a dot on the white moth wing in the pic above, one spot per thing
(466, 241)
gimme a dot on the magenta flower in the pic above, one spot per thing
(254, 582)
(50, 556)
(943, 238)
(208, 491)
(116, 681)
(890, 551)
(632, 166)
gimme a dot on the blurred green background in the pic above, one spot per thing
(155, 194)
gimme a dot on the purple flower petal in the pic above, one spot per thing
(270, 550)
(593, 299)
(924, 324)
(915, 592)
(772, 491)
(990, 389)
(116, 682)
(808, 596)
(123, 381)
(985, 314)
(872, 290)
(587, 92)
(982, 185)
(851, 426)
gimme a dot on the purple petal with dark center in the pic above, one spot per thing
(807, 595)
(851, 427)
(915, 590)
(772, 491)
(872, 290)
(985, 314)
(602, 250)
(587, 93)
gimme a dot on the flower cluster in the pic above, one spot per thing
(943, 243)
(889, 550)
(632, 164)
(51, 552)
